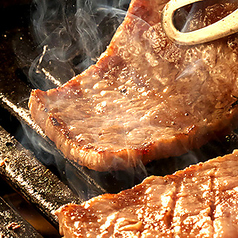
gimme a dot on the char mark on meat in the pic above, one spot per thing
(200, 201)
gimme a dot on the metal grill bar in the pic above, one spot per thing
(12, 224)
(28, 176)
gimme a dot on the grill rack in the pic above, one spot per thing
(46, 186)
(23, 168)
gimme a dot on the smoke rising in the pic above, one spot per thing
(71, 35)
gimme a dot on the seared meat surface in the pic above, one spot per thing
(146, 98)
(200, 201)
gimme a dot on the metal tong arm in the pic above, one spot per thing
(220, 29)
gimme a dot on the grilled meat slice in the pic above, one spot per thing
(146, 98)
(200, 201)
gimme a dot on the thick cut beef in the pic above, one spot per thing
(146, 98)
(200, 201)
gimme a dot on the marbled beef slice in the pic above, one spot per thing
(200, 201)
(146, 98)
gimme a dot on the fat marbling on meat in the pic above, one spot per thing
(147, 97)
(200, 201)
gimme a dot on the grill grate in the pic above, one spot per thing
(18, 166)
(12, 225)
(32, 179)
(24, 170)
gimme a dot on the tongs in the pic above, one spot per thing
(220, 29)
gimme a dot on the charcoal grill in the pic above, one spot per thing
(41, 174)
